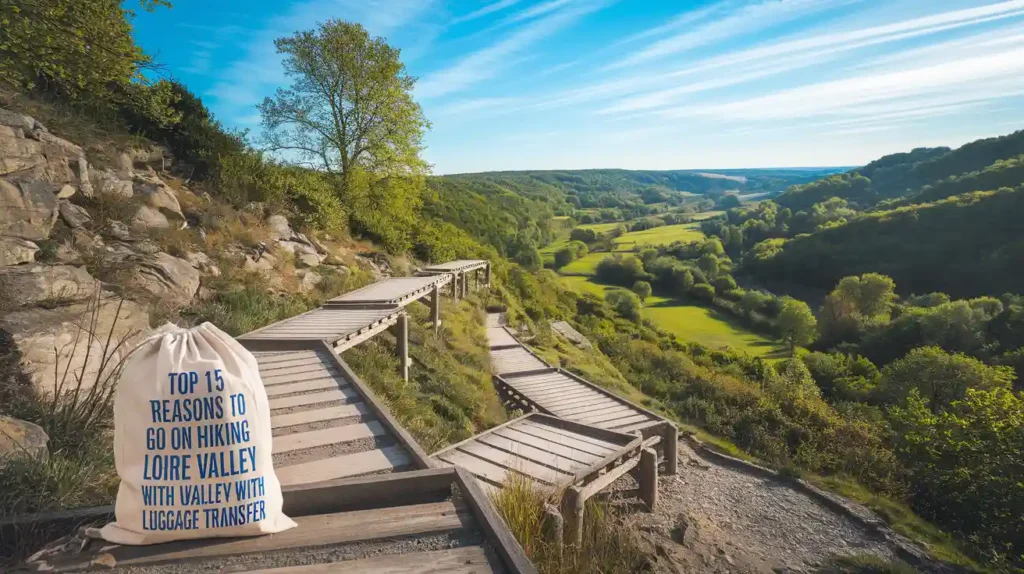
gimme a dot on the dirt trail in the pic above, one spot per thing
(713, 518)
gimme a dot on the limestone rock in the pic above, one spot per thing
(25, 285)
(74, 215)
(203, 263)
(297, 248)
(265, 262)
(149, 218)
(108, 182)
(27, 209)
(16, 120)
(117, 230)
(308, 279)
(167, 279)
(17, 153)
(159, 196)
(65, 191)
(279, 228)
(37, 332)
(308, 259)
(14, 251)
(21, 438)
(85, 183)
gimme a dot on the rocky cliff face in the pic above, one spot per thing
(81, 258)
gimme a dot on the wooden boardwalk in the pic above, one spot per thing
(326, 423)
(342, 527)
(341, 328)
(526, 382)
(460, 271)
(396, 291)
(557, 455)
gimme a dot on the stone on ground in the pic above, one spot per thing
(25, 285)
(20, 438)
(14, 251)
(165, 279)
(27, 209)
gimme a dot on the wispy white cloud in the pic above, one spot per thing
(488, 62)
(749, 18)
(537, 10)
(488, 9)
(472, 105)
(970, 78)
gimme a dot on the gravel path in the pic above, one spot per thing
(712, 518)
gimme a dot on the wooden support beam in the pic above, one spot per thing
(487, 275)
(555, 527)
(670, 446)
(572, 514)
(435, 307)
(465, 285)
(402, 345)
(455, 286)
(648, 477)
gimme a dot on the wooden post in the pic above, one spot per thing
(487, 275)
(465, 285)
(670, 446)
(648, 477)
(435, 307)
(572, 513)
(402, 348)
(555, 529)
(455, 286)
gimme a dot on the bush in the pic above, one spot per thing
(642, 290)
(625, 303)
(703, 292)
(724, 284)
(564, 256)
(583, 235)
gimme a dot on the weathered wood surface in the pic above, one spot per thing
(332, 325)
(464, 560)
(394, 291)
(564, 397)
(300, 406)
(514, 360)
(539, 448)
(500, 337)
(460, 265)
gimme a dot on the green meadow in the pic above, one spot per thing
(635, 240)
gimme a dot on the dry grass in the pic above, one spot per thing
(609, 545)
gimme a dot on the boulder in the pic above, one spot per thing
(107, 182)
(117, 230)
(159, 196)
(296, 248)
(14, 251)
(27, 209)
(203, 263)
(308, 279)
(279, 228)
(148, 218)
(308, 259)
(17, 153)
(85, 182)
(65, 191)
(74, 215)
(165, 278)
(16, 120)
(45, 339)
(20, 438)
(265, 262)
(25, 285)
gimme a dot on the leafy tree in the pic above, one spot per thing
(82, 50)
(939, 378)
(642, 290)
(703, 292)
(724, 283)
(579, 249)
(564, 256)
(967, 465)
(856, 303)
(625, 303)
(583, 235)
(796, 324)
(349, 111)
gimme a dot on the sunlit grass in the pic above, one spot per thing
(663, 235)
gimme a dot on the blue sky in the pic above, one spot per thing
(642, 84)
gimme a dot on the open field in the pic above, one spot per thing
(601, 227)
(706, 215)
(663, 235)
(703, 325)
(584, 266)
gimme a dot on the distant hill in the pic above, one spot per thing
(624, 188)
(906, 175)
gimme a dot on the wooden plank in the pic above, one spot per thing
(610, 446)
(285, 377)
(603, 481)
(302, 386)
(596, 413)
(546, 445)
(297, 365)
(637, 426)
(270, 359)
(574, 392)
(618, 423)
(517, 463)
(547, 386)
(465, 560)
(482, 469)
(578, 403)
(534, 454)
(316, 530)
(311, 399)
(495, 529)
(315, 416)
(578, 443)
(532, 380)
(345, 465)
(334, 435)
